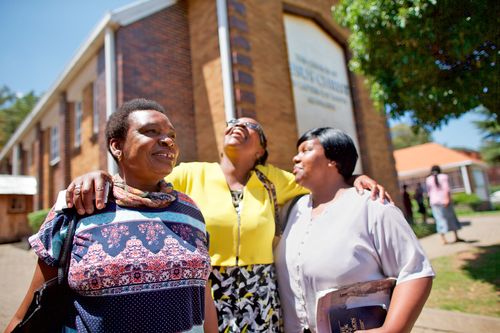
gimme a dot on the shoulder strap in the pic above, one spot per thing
(285, 212)
(65, 255)
(271, 190)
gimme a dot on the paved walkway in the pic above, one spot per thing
(17, 264)
(478, 231)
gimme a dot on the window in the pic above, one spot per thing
(95, 111)
(54, 145)
(78, 124)
(456, 181)
(17, 204)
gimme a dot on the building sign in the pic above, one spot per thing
(319, 77)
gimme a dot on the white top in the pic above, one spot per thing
(355, 239)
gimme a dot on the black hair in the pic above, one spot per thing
(338, 147)
(263, 142)
(436, 170)
(117, 124)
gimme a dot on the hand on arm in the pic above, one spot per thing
(364, 182)
(210, 325)
(83, 189)
(42, 273)
(407, 302)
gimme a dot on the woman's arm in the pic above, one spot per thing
(363, 182)
(43, 272)
(407, 302)
(210, 325)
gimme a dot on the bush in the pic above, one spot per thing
(494, 188)
(422, 230)
(35, 219)
(465, 201)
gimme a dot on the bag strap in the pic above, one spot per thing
(286, 210)
(271, 190)
(65, 255)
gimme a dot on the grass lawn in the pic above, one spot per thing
(468, 281)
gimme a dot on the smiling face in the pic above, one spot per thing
(311, 164)
(149, 151)
(244, 133)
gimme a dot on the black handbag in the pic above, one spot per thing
(51, 302)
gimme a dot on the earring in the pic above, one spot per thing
(119, 156)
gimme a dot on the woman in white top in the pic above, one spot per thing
(335, 237)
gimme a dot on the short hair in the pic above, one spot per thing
(117, 124)
(338, 147)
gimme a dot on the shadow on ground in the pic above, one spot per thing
(486, 266)
(464, 223)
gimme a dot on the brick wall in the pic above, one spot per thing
(100, 97)
(66, 115)
(272, 86)
(86, 157)
(207, 79)
(47, 170)
(153, 61)
(173, 57)
(273, 89)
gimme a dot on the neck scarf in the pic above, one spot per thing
(128, 196)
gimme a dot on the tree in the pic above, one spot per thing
(432, 60)
(13, 110)
(405, 136)
(490, 149)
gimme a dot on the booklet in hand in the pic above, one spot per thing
(344, 320)
(352, 307)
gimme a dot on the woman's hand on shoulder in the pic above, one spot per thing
(364, 182)
(84, 189)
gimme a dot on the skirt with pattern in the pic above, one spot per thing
(246, 298)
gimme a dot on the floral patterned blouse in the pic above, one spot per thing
(134, 270)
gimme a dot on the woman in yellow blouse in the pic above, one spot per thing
(235, 198)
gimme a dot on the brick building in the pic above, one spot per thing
(283, 62)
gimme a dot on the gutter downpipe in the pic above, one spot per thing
(110, 74)
(226, 62)
(15, 159)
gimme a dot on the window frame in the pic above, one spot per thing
(77, 134)
(54, 152)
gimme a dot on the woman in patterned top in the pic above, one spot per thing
(240, 216)
(142, 263)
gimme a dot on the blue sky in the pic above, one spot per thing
(39, 38)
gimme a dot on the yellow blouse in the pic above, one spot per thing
(235, 241)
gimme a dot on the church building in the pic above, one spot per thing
(283, 62)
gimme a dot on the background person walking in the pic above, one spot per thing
(438, 190)
(408, 212)
(419, 198)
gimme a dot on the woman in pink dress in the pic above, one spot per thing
(438, 190)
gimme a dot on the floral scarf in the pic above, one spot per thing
(128, 196)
